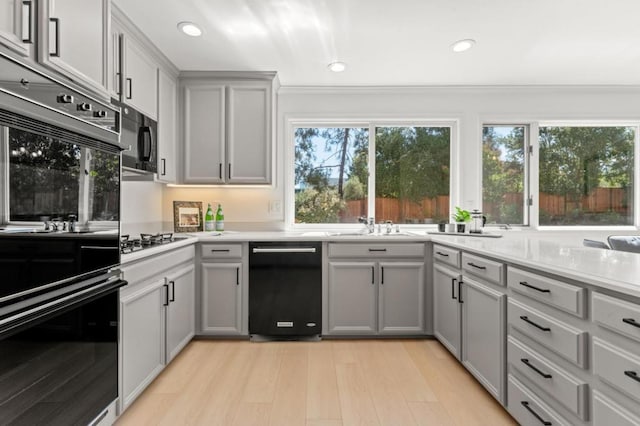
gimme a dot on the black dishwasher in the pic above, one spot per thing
(285, 289)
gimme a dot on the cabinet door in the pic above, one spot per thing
(74, 36)
(17, 25)
(204, 133)
(483, 335)
(446, 309)
(181, 310)
(140, 83)
(249, 131)
(221, 298)
(142, 339)
(352, 298)
(114, 65)
(167, 101)
(401, 298)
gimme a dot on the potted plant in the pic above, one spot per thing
(461, 217)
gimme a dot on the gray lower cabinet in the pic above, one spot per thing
(446, 308)
(367, 297)
(156, 317)
(483, 319)
(180, 310)
(221, 298)
(608, 412)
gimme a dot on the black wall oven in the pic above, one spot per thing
(60, 169)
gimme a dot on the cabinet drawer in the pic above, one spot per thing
(617, 367)
(561, 295)
(446, 255)
(220, 251)
(563, 339)
(380, 250)
(607, 412)
(617, 315)
(489, 270)
(552, 379)
(528, 409)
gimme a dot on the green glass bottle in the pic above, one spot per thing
(219, 219)
(209, 219)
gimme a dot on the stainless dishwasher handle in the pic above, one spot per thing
(285, 250)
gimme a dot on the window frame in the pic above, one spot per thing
(371, 124)
(533, 178)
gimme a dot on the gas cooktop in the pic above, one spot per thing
(144, 241)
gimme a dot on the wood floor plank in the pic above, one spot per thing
(326, 383)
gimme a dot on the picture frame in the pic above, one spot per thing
(187, 216)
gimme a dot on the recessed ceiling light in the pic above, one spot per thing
(463, 45)
(190, 29)
(337, 66)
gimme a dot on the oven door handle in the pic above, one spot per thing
(10, 323)
(285, 250)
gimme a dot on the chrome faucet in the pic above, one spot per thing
(389, 226)
(371, 226)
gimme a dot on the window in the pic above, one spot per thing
(585, 175)
(334, 182)
(504, 183)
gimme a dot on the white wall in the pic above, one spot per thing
(141, 209)
(470, 107)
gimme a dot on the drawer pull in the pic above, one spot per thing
(631, 321)
(442, 254)
(633, 375)
(526, 362)
(528, 321)
(220, 250)
(476, 266)
(377, 249)
(525, 404)
(542, 290)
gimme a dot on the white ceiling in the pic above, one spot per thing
(403, 42)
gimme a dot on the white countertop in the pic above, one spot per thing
(614, 270)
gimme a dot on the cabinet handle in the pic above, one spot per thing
(173, 291)
(373, 275)
(164, 166)
(384, 249)
(166, 295)
(237, 276)
(476, 266)
(382, 275)
(633, 375)
(130, 87)
(56, 22)
(220, 250)
(631, 321)
(526, 362)
(118, 83)
(525, 404)
(442, 254)
(460, 292)
(542, 290)
(528, 321)
(28, 6)
(220, 171)
(229, 171)
(453, 288)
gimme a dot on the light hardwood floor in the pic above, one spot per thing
(327, 383)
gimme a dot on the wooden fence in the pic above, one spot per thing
(601, 200)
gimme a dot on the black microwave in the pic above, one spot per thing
(138, 138)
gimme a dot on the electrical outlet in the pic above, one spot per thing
(275, 206)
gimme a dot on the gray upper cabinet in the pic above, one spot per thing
(167, 132)
(139, 77)
(227, 126)
(74, 40)
(17, 30)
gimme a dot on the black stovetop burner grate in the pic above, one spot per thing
(129, 245)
